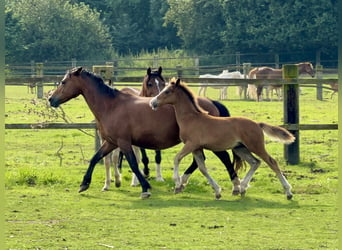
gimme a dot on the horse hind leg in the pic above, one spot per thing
(225, 159)
(274, 166)
(108, 180)
(199, 156)
(246, 155)
(159, 176)
(135, 181)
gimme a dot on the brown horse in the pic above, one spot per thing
(271, 73)
(153, 83)
(199, 131)
(143, 127)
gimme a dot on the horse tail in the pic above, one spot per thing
(277, 133)
(224, 112)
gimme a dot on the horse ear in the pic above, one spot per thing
(149, 71)
(160, 70)
(78, 70)
(178, 82)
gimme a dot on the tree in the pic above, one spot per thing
(198, 22)
(56, 30)
(268, 25)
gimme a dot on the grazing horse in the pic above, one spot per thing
(199, 131)
(224, 75)
(144, 127)
(271, 73)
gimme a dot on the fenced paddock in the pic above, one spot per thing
(44, 168)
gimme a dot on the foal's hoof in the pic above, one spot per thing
(179, 189)
(145, 195)
(243, 193)
(117, 184)
(218, 196)
(105, 189)
(289, 196)
(83, 188)
(235, 192)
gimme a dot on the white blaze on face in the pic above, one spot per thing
(157, 83)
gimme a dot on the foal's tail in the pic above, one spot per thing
(277, 133)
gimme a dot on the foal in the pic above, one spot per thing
(199, 131)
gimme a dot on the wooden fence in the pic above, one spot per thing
(291, 107)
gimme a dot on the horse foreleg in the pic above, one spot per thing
(186, 175)
(246, 155)
(225, 159)
(130, 157)
(199, 156)
(103, 151)
(179, 186)
(157, 158)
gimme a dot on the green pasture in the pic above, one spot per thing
(44, 169)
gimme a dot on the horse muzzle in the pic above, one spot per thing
(154, 103)
(54, 102)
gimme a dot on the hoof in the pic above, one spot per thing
(179, 189)
(145, 195)
(289, 196)
(83, 188)
(104, 189)
(160, 179)
(117, 184)
(243, 194)
(218, 196)
(235, 192)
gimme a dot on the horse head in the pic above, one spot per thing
(66, 89)
(153, 83)
(306, 67)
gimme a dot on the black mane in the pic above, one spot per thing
(101, 86)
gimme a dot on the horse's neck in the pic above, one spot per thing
(184, 107)
(301, 69)
(96, 101)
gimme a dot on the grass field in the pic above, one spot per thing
(45, 167)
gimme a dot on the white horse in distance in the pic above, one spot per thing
(223, 89)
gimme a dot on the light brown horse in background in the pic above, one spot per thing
(143, 127)
(271, 73)
(199, 131)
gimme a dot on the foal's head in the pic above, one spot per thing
(175, 92)
(153, 83)
(67, 88)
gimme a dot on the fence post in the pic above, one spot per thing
(276, 59)
(197, 71)
(319, 75)
(246, 68)
(73, 63)
(115, 70)
(238, 60)
(291, 111)
(179, 71)
(39, 73)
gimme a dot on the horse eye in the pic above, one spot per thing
(149, 84)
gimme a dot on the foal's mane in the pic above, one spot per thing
(193, 99)
(98, 82)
